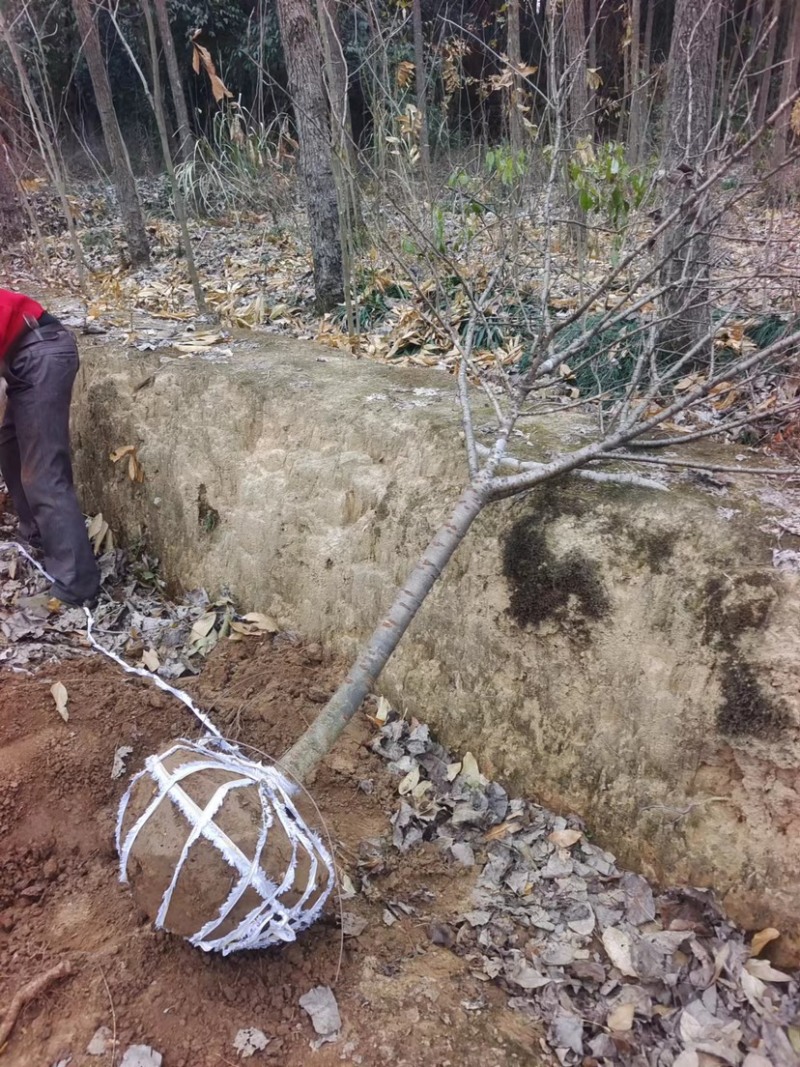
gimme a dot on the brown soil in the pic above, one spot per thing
(401, 997)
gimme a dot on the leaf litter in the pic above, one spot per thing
(619, 973)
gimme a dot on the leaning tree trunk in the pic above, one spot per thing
(12, 224)
(183, 135)
(637, 103)
(305, 66)
(122, 174)
(684, 248)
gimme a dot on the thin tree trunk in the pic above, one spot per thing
(421, 82)
(345, 149)
(44, 140)
(575, 42)
(305, 66)
(184, 139)
(636, 120)
(163, 133)
(345, 702)
(129, 206)
(685, 247)
(12, 224)
(514, 51)
(591, 52)
(791, 59)
(765, 80)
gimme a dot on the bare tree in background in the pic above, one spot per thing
(11, 215)
(305, 66)
(791, 63)
(421, 81)
(184, 139)
(129, 206)
(685, 247)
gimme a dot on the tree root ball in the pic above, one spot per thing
(206, 878)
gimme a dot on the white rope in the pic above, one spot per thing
(270, 922)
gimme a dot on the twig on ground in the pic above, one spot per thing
(28, 993)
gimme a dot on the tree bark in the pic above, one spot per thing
(421, 82)
(575, 42)
(765, 78)
(791, 59)
(129, 207)
(514, 51)
(685, 246)
(344, 145)
(305, 66)
(637, 105)
(184, 139)
(12, 224)
(345, 702)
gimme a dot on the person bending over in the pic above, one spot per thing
(39, 361)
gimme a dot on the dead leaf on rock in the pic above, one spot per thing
(265, 623)
(60, 696)
(762, 938)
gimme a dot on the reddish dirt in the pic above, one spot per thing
(400, 996)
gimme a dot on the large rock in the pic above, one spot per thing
(629, 655)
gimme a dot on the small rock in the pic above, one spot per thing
(249, 1041)
(141, 1056)
(101, 1043)
(441, 934)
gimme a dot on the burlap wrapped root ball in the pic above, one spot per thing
(216, 849)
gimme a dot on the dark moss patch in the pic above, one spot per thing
(729, 608)
(653, 548)
(543, 584)
(746, 709)
(207, 517)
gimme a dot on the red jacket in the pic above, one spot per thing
(16, 312)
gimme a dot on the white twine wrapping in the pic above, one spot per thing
(270, 922)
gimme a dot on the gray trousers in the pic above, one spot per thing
(35, 460)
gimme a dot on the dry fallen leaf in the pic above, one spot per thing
(150, 659)
(764, 970)
(618, 946)
(59, 693)
(565, 838)
(762, 938)
(204, 625)
(264, 623)
(621, 1018)
(121, 453)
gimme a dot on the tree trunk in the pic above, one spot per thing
(765, 78)
(184, 138)
(575, 42)
(684, 248)
(421, 81)
(305, 66)
(11, 220)
(636, 120)
(791, 58)
(514, 51)
(129, 207)
(345, 702)
(344, 145)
